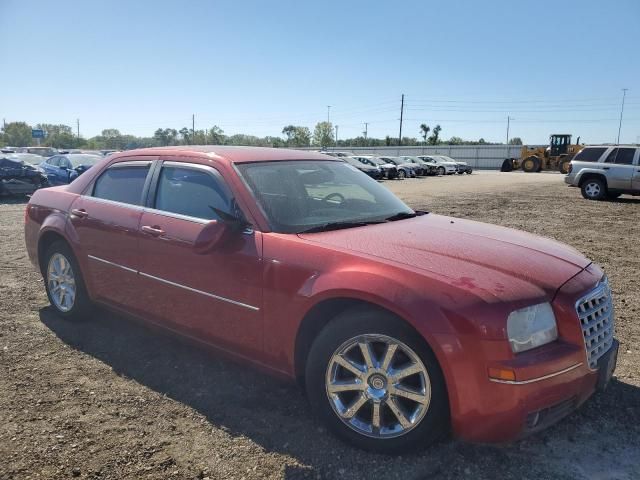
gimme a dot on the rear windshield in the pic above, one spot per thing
(590, 154)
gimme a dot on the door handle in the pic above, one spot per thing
(79, 212)
(606, 168)
(156, 231)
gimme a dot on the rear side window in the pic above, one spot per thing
(192, 192)
(122, 184)
(590, 154)
(622, 156)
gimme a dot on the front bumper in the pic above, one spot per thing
(550, 381)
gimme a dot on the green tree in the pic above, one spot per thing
(17, 134)
(216, 136)
(515, 141)
(297, 136)
(456, 141)
(424, 131)
(60, 136)
(434, 139)
(482, 141)
(323, 134)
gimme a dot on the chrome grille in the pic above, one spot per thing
(595, 311)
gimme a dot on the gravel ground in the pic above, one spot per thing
(110, 399)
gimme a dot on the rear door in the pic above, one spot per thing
(215, 296)
(635, 181)
(619, 163)
(106, 220)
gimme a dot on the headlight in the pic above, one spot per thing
(531, 327)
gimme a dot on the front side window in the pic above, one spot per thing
(622, 156)
(590, 154)
(54, 161)
(191, 192)
(302, 195)
(122, 184)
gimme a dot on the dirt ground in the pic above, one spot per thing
(108, 399)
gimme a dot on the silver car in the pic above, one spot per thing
(606, 171)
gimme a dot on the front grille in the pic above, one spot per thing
(595, 311)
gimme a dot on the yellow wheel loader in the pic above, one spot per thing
(554, 157)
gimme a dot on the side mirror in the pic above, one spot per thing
(216, 232)
(212, 234)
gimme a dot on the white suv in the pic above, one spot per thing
(606, 171)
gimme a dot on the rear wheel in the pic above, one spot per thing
(376, 384)
(401, 174)
(441, 171)
(64, 283)
(594, 189)
(563, 166)
(531, 164)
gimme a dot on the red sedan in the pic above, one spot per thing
(402, 325)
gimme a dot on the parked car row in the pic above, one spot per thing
(406, 166)
(25, 169)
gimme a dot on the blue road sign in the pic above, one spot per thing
(37, 133)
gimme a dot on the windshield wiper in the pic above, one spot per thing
(403, 215)
(337, 226)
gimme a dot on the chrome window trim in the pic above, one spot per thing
(179, 216)
(114, 202)
(537, 379)
(117, 265)
(195, 290)
(174, 284)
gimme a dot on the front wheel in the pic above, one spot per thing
(376, 384)
(63, 282)
(401, 174)
(441, 171)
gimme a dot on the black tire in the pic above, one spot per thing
(435, 423)
(563, 165)
(507, 165)
(402, 175)
(594, 189)
(82, 304)
(441, 171)
(531, 164)
(468, 172)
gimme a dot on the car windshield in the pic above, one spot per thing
(87, 160)
(298, 196)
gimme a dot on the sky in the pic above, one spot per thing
(254, 66)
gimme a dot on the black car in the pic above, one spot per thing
(373, 172)
(20, 178)
(389, 170)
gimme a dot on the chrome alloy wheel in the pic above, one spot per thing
(61, 282)
(378, 386)
(592, 189)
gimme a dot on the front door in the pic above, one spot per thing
(106, 221)
(216, 296)
(619, 162)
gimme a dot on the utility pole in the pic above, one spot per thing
(508, 121)
(366, 128)
(328, 109)
(624, 94)
(336, 135)
(401, 112)
(193, 129)
(78, 126)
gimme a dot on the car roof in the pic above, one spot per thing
(233, 154)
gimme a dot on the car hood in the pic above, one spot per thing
(497, 261)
